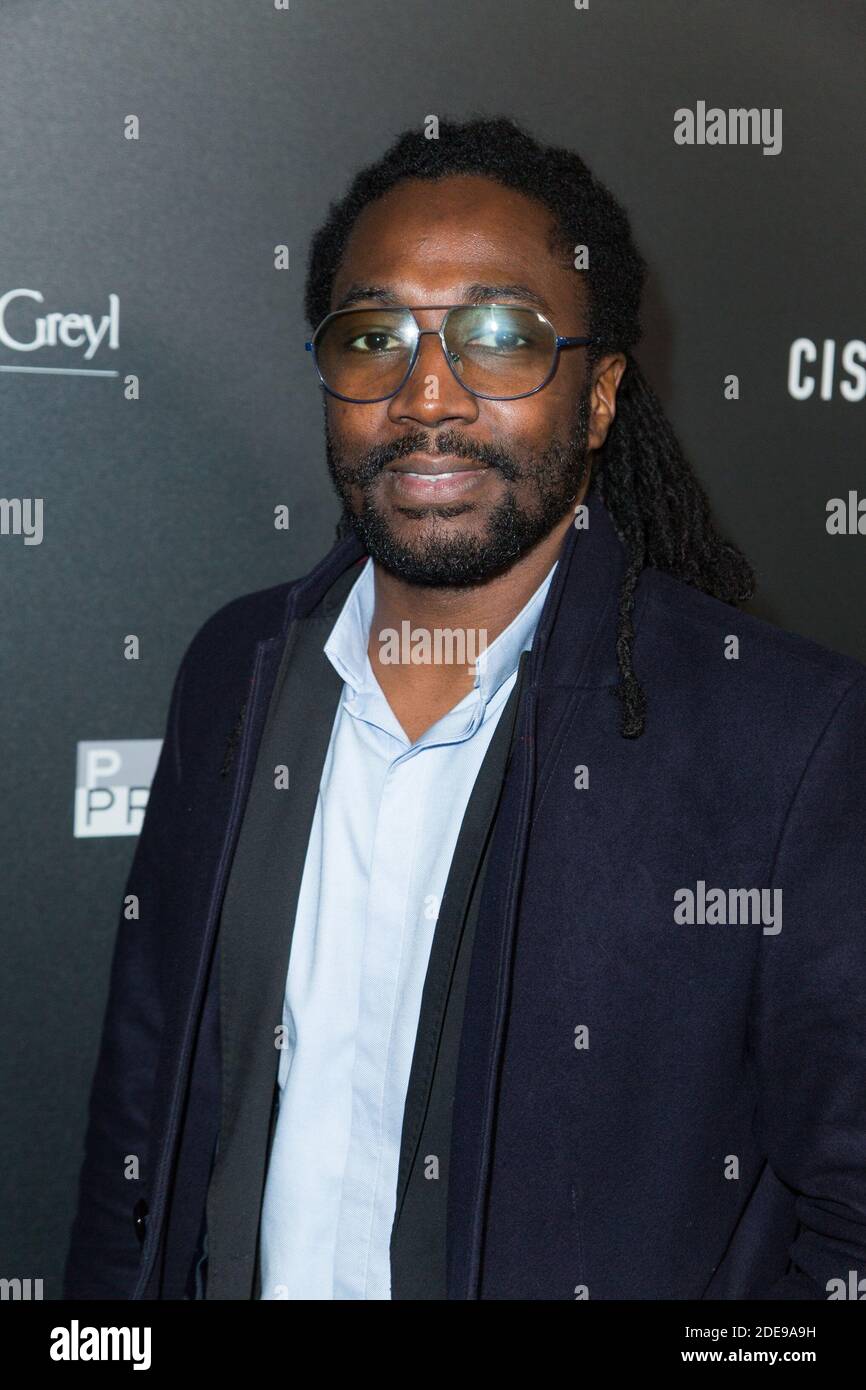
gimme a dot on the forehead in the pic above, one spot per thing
(424, 239)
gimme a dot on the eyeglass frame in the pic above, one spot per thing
(558, 344)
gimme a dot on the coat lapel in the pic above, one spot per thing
(418, 1237)
(255, 939)
(194, 966)
(250, 688)
(573, 652)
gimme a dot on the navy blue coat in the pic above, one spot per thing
(643, 1107)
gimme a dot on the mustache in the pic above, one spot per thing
(371, 463)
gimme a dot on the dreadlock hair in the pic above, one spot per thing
(658, 507)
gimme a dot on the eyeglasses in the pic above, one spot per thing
(497, 351)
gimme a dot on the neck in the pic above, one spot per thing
(419, 694)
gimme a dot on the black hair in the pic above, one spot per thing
(656, 502)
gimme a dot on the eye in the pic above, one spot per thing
(373, 340)
(499, 340)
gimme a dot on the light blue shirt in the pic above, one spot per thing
(383, 836)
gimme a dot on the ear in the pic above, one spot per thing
(606, 378)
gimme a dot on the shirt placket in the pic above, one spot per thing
(375, 1106)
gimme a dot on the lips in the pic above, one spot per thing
(425, 479)
(434, 466)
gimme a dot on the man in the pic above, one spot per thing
(537, 971)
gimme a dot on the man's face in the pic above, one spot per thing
(428, 242)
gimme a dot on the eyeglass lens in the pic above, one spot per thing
(496, 350)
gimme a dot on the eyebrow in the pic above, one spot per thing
(472, 294)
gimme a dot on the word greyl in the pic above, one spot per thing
(70, 330)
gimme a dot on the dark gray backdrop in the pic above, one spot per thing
(158, 511)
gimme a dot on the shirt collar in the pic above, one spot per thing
(346, 649)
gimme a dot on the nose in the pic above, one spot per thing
(432, 394)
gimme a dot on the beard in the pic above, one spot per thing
(439, 560)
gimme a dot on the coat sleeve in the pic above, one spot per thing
(104, 1252)
(809, 1011)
